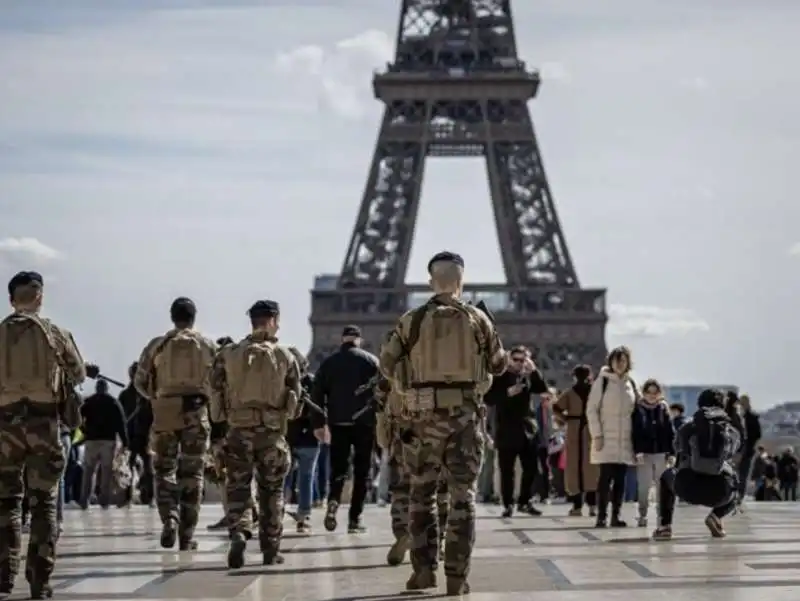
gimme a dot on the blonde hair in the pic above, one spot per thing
(446, 274)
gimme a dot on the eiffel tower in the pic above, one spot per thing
(457, 88)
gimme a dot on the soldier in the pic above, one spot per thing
(393, 428)
(452, 351)
(173, 373)
(34, 354)
(258, 382)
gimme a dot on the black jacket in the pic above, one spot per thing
(337, 380)
(103, 419)
(138, 415)
(651, 429)
(514, 416)
(752, 430)
(788, 468)
(301, 430)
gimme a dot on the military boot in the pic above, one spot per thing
(40, 588)
(169, 534)
(422, 579)
(187, 543)
(397, 552)
(457, 586)
(271, 557)
(236, 551)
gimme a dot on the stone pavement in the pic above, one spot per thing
(114, 556)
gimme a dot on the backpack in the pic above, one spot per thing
(182, 364)
(710, 442)
(444, 345)
(29, 366)
(256, 375)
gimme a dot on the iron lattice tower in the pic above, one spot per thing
(457, 88)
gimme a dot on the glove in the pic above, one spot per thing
(92, 370)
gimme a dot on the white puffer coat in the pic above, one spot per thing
(609, 416)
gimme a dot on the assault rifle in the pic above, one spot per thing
(481, 306)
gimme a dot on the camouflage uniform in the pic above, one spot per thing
(400, 483)
(179, 444)
(30, 441)
(447, 442)
(256, 442)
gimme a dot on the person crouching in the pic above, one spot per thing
(704, 473)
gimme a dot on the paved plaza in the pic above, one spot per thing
(114, 555)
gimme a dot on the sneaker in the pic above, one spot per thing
(642, 521)
(601, 522)
(662, 533)
(330, 516)
(531, 510)
(575, 513)
(303, 526)
(714, 525)
(618, 523)
(187, 544)
(356, 527)
(508, 512)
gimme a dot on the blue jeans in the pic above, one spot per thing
(304, 462)
(322, 481)
(66, 442)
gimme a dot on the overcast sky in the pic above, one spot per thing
(219, 150)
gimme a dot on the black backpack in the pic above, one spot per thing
(710, 442)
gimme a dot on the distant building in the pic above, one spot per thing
(687, 394)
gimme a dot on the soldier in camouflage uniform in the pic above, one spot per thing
(257, 382)
(452, 350)
(173, 372)
(33, 352)
(392, 428)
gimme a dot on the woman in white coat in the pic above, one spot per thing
(608, 412)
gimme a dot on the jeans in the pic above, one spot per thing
(322, 481)
(304, 463)
(648, 472)
(789, 491)
(66, 442)
(486, 477)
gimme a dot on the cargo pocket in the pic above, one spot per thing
(464, 453)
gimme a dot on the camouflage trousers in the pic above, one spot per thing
(179, 464)
(447, 445)
(265, 453)
(400, 489)
(34, 445)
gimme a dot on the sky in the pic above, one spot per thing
(219, 150)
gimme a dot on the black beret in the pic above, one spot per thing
(24, 278)
(351, 331)
(264, 308)
(183, 304)
(224, 341)
(446, 255)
